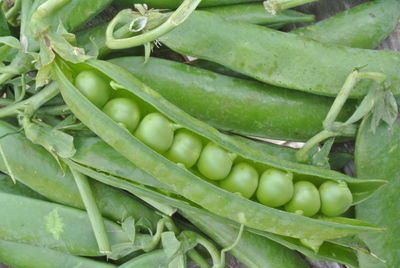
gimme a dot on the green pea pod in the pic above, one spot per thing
(20, 255)
(218, 99)
(378, 154)
(7, 186)
(175, 3)
(57, 227)
(364, 26)
(255, 13)
(37, 169)
(277, 58)
(328, 251)
(194, 188)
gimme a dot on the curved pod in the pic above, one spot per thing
(197, 190)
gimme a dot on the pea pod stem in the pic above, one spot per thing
(218, 262)
(34, 102)
(46, 9)
(178, 17)
(333, 128)
(275, 6)
(93, 211)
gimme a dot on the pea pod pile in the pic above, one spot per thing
(118, 155)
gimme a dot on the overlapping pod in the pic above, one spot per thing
(44, 224)
(278, 58)
(192, 187)
(24, 255)
(38, 170)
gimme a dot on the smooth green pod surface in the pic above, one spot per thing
(364, 26)
(39, 170)
(155, 258)
(232, 104)
(192, 187)
(278, 58)
(378, 154)
(44, 224)
(20, 255)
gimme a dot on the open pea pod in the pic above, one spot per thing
(190, 185)
(328, 251)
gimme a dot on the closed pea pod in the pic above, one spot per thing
(243, 179)
(189, 184)
(276, 188)
(305, 200)
(296, 65)
(20, 255)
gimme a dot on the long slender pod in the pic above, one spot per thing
(233, 104)
(364, 26)
(20, 255)
(277, 58)
(189, 184)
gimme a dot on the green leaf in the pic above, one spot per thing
(128, 226)
(321, 158)
(53, 140)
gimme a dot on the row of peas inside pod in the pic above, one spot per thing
(273, 188)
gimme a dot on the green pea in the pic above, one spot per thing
(95, 88)
(336, 198)
(243, 179)
(123, 111)
(276, 188)
(185, 149)
(305, 200)
(215, 163)
(156, 131)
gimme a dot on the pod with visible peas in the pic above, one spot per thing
(20, 255)
(295, 65)
(188, 182)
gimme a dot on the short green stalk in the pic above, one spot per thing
(93, 211)
(332, 128)
(34, 102)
